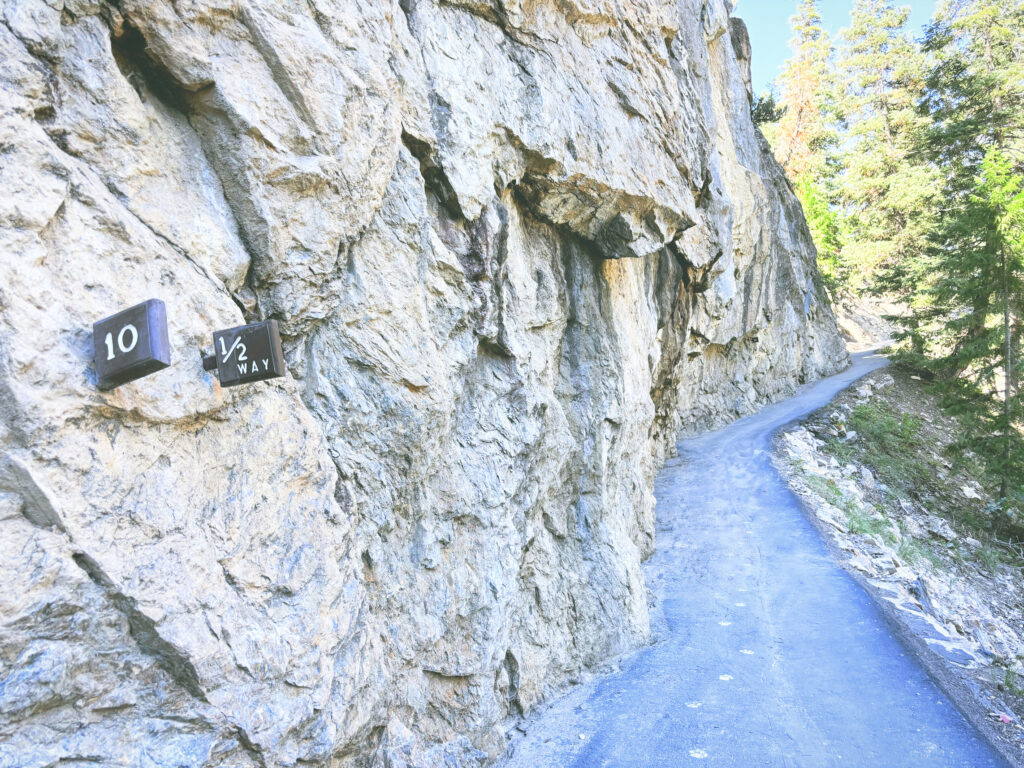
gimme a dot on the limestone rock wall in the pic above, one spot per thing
(514, 246)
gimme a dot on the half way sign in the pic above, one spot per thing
(246, 354)
(131, 344)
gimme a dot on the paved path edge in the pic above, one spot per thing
(948, 681)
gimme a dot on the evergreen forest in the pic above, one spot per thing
(906, 149)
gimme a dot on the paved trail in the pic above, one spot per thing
(768, 654)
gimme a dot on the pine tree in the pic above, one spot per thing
(804, 138)
(765, 109)
(966, 309)
(887, 198)
(826, 228)
(803, 132)
(1001, 190)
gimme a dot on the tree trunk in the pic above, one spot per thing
(1008, 379)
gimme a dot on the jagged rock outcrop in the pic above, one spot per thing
(513, 247)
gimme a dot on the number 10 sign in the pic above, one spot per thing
(131, 344)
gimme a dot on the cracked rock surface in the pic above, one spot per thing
(513, 247)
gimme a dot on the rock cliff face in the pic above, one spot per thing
(514, 246)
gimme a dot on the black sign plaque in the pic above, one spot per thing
(131, 344)
(248, 353)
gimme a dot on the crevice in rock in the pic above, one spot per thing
(675, 307)
(147, 75)
(511, 666)
(321, 21)
(447, 677)
(247, 744)
(143, 72)
(493, 348)
(434, 179)
(624, 102)
(480, 246)
(343, 495)
(246, 298)
(373, 747)
(702, 196)
(150, 79)
(143, 630)
(698, 279)
(230, 579)
(36, 507)
(700, 338)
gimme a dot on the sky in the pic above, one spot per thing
(768, 24)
